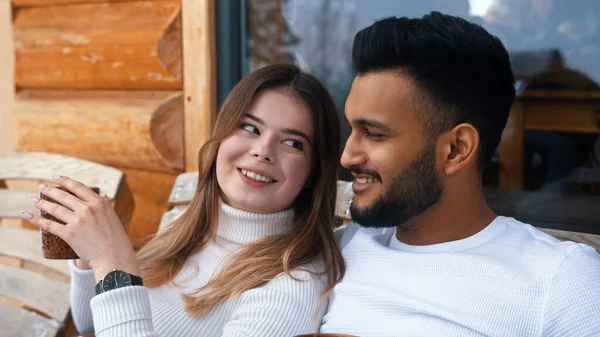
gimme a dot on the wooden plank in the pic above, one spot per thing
(512, 150)
(7, 86)
(112, 45)
(124, 206)
(46, 295)
(151, 193)
(169, 216)
(563, 115)
(33, 3)
(14, 202)
(589, 239)
(42, 166)
(344, 196)
(21, 322)
(184, 188)
(141, 130)
(199, 79)
(26, 244)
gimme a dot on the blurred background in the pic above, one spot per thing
(135, 84)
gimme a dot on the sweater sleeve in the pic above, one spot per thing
(123, 312)
(283, 307)
(82, 291)
(573, 305)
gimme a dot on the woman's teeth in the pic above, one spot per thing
(256, 176)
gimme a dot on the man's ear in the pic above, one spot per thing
(461, 148)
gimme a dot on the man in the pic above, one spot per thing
(427, 109)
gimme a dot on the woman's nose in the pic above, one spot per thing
(262, 151)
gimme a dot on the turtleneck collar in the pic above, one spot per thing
(242, 227)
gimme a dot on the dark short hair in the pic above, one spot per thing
(461, 72)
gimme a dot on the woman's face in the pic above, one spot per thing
(263, 165)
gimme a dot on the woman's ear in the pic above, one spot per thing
(461, 148)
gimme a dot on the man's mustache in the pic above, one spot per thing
(367, 172)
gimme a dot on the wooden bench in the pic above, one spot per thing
(34, 292)
(186, 183)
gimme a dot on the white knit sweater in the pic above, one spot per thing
(282, 307)
(510, 279)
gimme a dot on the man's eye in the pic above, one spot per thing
(374, 136)
(250, 128)
(295, 144)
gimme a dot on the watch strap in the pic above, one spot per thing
(99, 287)
(136, 280)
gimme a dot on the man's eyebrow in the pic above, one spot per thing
(372, 123)
(288, 131)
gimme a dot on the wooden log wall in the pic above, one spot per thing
(140, 130)
(128, 45)
(102, 80)
(7, 87)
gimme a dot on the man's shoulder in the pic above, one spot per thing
(532, 238)
(541, 251)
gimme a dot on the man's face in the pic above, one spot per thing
(393, 162)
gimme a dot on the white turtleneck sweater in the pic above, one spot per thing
(282, 307)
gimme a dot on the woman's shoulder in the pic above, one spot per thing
(311, 274)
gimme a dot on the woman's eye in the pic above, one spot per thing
(295, 144)
(250, 128)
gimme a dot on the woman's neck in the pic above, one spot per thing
(243, 227)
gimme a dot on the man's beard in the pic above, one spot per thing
(411, 193)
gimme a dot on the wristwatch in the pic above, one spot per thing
(117, 279)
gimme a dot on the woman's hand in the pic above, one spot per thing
(92, 228)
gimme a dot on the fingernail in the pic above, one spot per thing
(41, 187)
(55, 177)
(35, 200)
(28, 215)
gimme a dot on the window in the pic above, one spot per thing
(551, 176)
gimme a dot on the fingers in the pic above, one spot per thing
(46, 224)
(56, 210)
(80, 190)
(62, 197)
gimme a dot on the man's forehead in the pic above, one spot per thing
(382, 95)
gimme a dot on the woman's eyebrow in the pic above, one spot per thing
(256, 119)
(297, 133)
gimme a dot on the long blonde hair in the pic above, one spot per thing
(258, 262)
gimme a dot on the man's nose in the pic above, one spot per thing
(352, 155)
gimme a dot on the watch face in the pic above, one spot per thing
(116, 279)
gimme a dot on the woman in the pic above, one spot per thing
(253, 255)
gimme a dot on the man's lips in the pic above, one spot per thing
(363, 182)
